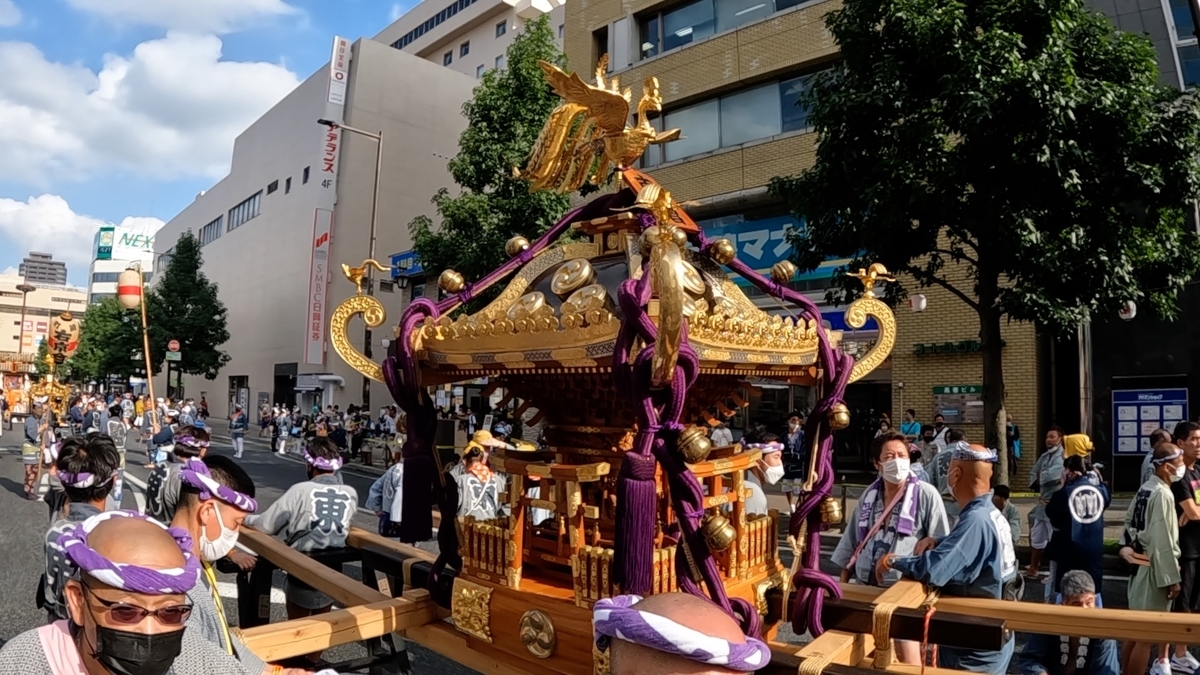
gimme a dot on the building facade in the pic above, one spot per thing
(42, 268)
(297, 203)
(115, 249)
(25, 310)
(468, 36)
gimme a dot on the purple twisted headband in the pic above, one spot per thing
(191, 441)
(82, 479)
(323, 463)
(616, 618)
(74, 546)
(196, 474)
(767, 448)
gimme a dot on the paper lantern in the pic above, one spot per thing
(918, 303)
(64, 336)
(1128, 310)
(129, 289)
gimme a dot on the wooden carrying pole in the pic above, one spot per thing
(146, 350)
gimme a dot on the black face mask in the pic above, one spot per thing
(126, 653)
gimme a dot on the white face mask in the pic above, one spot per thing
(212, 551)
(1178, 475)
(896, 470)
(773, 474)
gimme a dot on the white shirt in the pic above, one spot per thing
(756, 503)
(722, 437)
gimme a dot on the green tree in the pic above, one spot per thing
(184, 306)
(1026, 140)
(110, 343)
(504, 118)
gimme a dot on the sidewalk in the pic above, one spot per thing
(219, 428)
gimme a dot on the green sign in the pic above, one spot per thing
(960, 347)
(174, 356)
(946, 389)
(104, 243)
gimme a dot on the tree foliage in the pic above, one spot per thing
(504, 117)
(184, 306)
(110, 343)
(1026, 139)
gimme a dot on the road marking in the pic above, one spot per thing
(229, 591)
(139, 491)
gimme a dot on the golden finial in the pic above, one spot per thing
(870, 276)
(357, 274)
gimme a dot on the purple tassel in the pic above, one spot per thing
(637, 502)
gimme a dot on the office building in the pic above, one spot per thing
(469, 36)
(25, 311)
(731, 73)
(115, 249)
(297, 204)
(42, 268)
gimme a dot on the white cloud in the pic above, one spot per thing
(10, 14)
(47, 223)
(398, 11)
(215, 16)
(171, 109)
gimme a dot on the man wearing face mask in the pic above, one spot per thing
(899, 514)
(971, 561)
(795, 460)
(940, 470)
(1045, 479)
(1152, 530)
(127, 605)
(767, 470)
(215, 496)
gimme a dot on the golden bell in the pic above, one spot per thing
(693, 444)
(831, 511)
(839, 417)
(783, 272)
(451, 281)
(515, 245)
(719, 534)
(722, 251)
(679, 237)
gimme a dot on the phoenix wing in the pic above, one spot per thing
(609, 108)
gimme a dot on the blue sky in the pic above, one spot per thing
(125, 109)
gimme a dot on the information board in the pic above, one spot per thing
(959, 403)
(1138, 412)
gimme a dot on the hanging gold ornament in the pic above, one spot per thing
(719, 534)
(839, 417)
(515, 245)
(783, 272)
(831, 511)
(451, 281)
(694, 445)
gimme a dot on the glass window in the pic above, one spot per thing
(781, 5)
(702, 130)
(750, 115)
(287, 185)
(687, 24)
(501, 28)
(304, 179)
(560, 30)
(650, 37)
(733, 13)
(1189, 61)
(464, 48)
(1184, 29)
(448, 58)
(791, 95)
(479, 71)
(272, 186)
(500, 61)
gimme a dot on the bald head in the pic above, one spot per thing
(133, 541)
(686, 610)
(969, 479)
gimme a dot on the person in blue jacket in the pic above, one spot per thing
(1063, 654)
(1077, 514)
(970, 561)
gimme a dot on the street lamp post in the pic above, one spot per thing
(25, 289)
(378, 138)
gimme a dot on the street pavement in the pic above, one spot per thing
(24, 523)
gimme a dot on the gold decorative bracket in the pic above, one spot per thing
(866, 306)
(471, 609)
(374, 315)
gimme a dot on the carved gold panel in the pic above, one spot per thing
(471, 609)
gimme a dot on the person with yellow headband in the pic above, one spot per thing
(483, 442)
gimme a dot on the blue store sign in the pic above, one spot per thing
(1138, 412)
(406, 264)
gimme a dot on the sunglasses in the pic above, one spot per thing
(131, 615)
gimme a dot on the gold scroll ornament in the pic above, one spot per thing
(867, 306)
(373, 314)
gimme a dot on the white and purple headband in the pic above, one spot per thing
(74, 546)
(1171, 457)
(196, 474)
(767, 448)
(191, 441)
(616, 618)
(82, 480)
(324, 464)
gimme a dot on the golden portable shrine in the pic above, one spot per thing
(617, 338)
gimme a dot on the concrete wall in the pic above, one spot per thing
(262, 268)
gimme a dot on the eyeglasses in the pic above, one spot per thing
(131, 615)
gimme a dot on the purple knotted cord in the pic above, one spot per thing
(809, 580)
(196, 474)
(74, 546)
(617, 618)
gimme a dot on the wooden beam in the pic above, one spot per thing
(344, 590)
(904, 593)
(958, 630)
(1034, 617)
(358, 538)
(278, 641)
(443, 638)
(847, 649)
